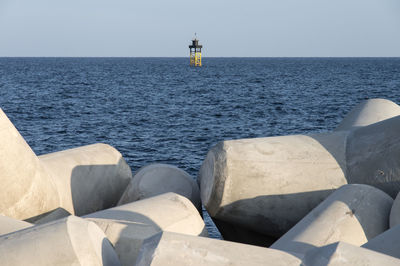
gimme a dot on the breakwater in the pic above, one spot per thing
(328, 198)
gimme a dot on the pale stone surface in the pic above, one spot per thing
(387, 243)
(342, 254)
(126, 226)
(176, 249)
(269, 184)
(156, 179)
(8, 225)
(353, 214)
(70, 241)
(30, 189)
(88, 178)
(369, 112)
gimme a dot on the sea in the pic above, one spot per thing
(161, 110)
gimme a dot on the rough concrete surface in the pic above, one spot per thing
(344, 254)
(88, 178)
(269, 184)
(69, 241)
(176, 249)
(126, 226)
(353, 214)
(31, 191)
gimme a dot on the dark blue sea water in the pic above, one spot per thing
(163, 110)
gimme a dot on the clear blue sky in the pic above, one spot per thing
(270, 28)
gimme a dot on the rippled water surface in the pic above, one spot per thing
(163, 110)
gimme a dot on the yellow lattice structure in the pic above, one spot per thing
(195, 58)
(195, 53)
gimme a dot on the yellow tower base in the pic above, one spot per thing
(195, 58)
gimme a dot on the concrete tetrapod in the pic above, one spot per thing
(88, 178)
(176, 249)
(8, 225)
(341, 254)
(69, 241)
(387, 243)
(126, 226)
(269, 184)
(369, 112)
(30, 189)
(156, 179)
(344, 216)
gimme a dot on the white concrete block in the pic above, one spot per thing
(70, 241)
(353, 214)
(126, 226)
(88, 178)
(344, 254)
(369, 112)
(31, 191)
(156, 179)
(269, 184)
(176, 249)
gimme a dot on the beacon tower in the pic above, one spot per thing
(195, 53)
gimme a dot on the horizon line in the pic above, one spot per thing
(202, 56)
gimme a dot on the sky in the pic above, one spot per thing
(164, 28)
